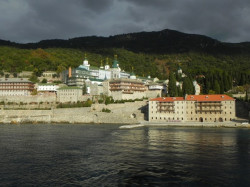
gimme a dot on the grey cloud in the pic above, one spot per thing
(34, 20)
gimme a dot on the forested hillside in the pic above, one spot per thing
(152, 53)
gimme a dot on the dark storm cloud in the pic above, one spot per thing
(34, 20)
(226, 20)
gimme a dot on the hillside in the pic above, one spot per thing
(150, 53)
(161, 42)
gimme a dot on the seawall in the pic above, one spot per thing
(126, 113)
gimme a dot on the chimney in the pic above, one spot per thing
(70, 73)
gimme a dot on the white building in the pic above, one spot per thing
(77, 76)
(50, 88)
(197, 88)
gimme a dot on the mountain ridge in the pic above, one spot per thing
(159, 42)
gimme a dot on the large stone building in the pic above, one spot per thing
(69, 94)
(123, 88)
(193, 108)
(15, 87)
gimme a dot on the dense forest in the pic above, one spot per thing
(217, 66)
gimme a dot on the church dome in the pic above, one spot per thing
(115, 63)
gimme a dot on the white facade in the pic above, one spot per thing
(155, 87)
(14, 93)
(47, 88)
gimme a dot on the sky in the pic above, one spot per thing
(34, 20)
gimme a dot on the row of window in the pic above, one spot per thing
(196, 119)
(201, 112)
(168, 118)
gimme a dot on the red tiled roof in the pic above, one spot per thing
(168, 99)
(209, 98)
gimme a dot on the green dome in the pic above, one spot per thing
(115, 64)
(132, 74)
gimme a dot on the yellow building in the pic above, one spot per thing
(196, 108)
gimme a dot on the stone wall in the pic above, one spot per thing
(118, 95)
(120, 113)
(153, 93)
(28, 99)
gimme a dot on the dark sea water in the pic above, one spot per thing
(104, 155)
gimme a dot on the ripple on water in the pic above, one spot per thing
(104, 155)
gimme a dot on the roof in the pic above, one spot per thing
(69, 88)
(220, 97)
(94, 68)
(81, 68)
(93, 79)
(47, 84)
(14, 80)
(167, 99)
(125, 80)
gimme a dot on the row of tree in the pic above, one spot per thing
(210, 83)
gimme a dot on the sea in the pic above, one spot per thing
(105, 155)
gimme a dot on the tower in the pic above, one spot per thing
(115, 72)
(107, 64)
(86, 62)
(101, 67)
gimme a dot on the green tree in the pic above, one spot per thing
(84, 89)
(34, 78)
(179, 91)
(187, 87)
(211, 92)
(172, 89)
(216, 87)
(44, 80)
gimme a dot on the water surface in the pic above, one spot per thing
(104, 155)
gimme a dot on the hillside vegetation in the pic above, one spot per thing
(148, 53)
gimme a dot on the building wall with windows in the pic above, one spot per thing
(69, 94)
(169, 109)
(15, 87)
(196, 108)
(123, 88)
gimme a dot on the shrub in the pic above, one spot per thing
(106, 110)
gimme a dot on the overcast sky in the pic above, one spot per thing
(35, 20)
